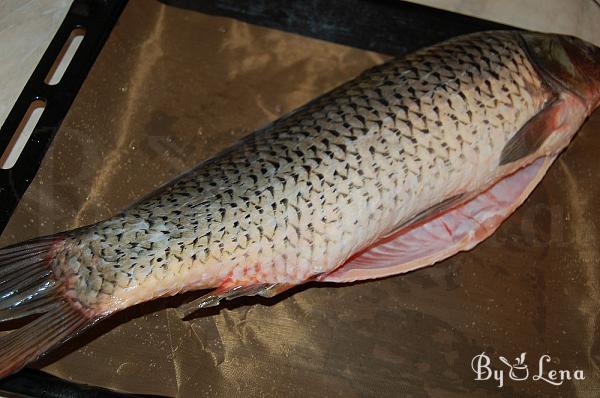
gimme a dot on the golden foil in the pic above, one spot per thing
(174, 87)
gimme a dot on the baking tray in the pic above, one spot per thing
(97, 18)
(172, 87)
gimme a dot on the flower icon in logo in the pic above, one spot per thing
(519, 370)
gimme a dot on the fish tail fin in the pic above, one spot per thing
(28, 287)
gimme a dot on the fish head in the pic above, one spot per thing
(571, 63)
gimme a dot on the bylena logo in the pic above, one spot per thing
(519, 370)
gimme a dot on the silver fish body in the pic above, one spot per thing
(399, 145)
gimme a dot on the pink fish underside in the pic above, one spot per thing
(417, 245)
(445, 234)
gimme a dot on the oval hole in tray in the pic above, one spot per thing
(65, 56)
(22, 134)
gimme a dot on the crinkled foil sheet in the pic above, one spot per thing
(174, 87)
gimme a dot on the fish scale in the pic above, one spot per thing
(286, 203)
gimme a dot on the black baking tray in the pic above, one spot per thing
(97, 17)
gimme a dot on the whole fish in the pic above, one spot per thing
(409, 163)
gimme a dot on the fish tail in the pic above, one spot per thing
(28, 287)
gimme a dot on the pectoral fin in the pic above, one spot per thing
(534, 133)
